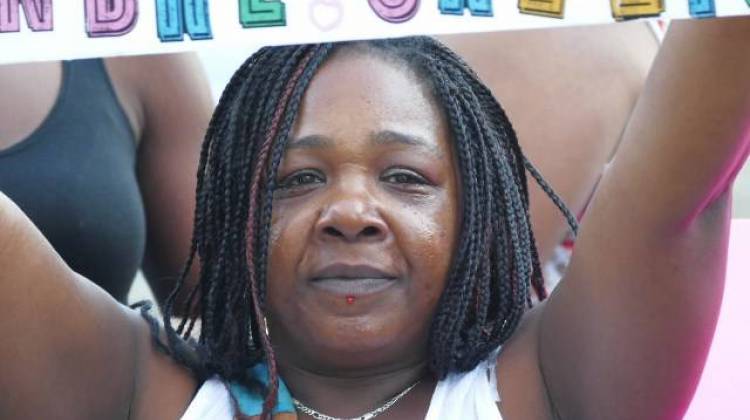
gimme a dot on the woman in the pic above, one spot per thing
(363, 232)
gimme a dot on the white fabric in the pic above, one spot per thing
(212, 402)
(467, 396)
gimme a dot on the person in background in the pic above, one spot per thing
(101, 155)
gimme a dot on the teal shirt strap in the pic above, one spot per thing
(251, 404)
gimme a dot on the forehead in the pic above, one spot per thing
(355, 94)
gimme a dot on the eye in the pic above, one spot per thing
(405, 177)
(301, 179)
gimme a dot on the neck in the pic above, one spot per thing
(352, 394)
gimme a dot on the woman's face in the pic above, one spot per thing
(364, 222)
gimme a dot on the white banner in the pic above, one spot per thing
(35, 30)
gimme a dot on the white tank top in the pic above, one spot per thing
(468, 396)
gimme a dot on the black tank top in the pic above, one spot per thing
(75, 179)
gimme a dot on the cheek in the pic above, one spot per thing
(429, 244)
(284, 251)
(274, 236)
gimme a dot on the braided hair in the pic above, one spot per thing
(495, 264)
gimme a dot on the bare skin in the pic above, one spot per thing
(624, 336)
(569, 142)
(168, 120)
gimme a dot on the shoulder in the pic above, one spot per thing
(172, 86)
(150, 76)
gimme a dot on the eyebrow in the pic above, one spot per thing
(387, 137)
(313, 141)
(383, 137)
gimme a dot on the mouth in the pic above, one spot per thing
(352, 280)
(350, 287)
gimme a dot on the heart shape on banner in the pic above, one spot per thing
(326, 14)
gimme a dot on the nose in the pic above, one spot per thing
(351, 218)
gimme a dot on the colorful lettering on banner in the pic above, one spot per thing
(632, 9)
(702, 8)
(549, 8)
(395, 11)
(456, 7)
(262, 13)
(38, 15)
(175, 17)
(106, 18)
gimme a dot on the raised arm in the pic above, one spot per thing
(626, 334)
(68, 349)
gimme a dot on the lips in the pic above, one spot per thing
(352, 279)
(351, 271)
